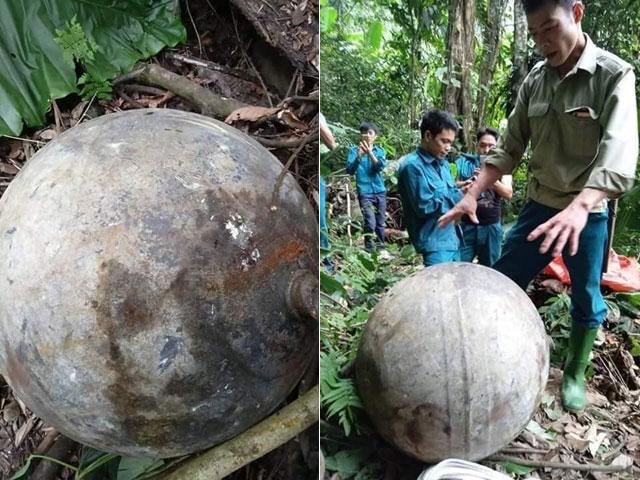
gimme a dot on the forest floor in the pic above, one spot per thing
(603, 442)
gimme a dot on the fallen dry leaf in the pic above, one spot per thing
(594, 445)
(251, 114)
(48, 134)
(7, 168)
(11, 412)
(576, 429)
(554, 286)
(576, 443)
(623, 461)
(291, 120)
(633, 442)
(596, 399)
(24, 430)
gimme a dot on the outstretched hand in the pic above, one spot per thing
(466, 206)
(561, 230)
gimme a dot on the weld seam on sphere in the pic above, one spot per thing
(145, 276)
(453, 362)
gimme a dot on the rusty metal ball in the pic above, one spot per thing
(157, 291)
(453, 362)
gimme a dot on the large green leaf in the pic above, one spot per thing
(33, 69)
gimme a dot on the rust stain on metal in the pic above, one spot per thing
(16, 370)
(288, 253)
(498, 412)
(123, 307)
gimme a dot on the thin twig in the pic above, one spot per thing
(145, 89)
(248, 60)
(288, 142)
(213, 8)
(198, 62)
(294, 79)
(24, 139)
(86, 109)
(300, 98)
(329, 297)
(195, 29)
(132, 75)
(128, 99)
(276, 190)
(349, 215)
(541, 451)
(568, 466)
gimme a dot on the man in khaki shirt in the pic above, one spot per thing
(578, 110)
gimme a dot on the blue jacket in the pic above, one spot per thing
(324, 231)
(428, 191)
(369, 178)
(466, 165)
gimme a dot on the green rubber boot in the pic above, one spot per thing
(580, 344)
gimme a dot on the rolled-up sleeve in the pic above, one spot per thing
(423, 199)
(616, 161)
(513, 143)
(352, 160)
(381, 157)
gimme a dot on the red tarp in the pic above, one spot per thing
(623, 273)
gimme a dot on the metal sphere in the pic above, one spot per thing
(453, 362)
(156, 284)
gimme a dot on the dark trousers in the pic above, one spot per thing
(520, 260)
(374, 207)
(481, 240)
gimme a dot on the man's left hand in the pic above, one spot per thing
(562, 229)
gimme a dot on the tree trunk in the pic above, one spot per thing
(491, 49)
(454, 56)
(519, 52)
(460, 60)
(469, 20)
(412, 94)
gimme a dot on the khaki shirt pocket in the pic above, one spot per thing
(541, 128)
(580, 131)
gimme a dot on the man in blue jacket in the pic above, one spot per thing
(428, 190)
(367, 161)
(483, 240)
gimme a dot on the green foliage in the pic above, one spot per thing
(354, 463)
(97, 465)
(91, 87)
(25, 471)
(75, 44)
(76, 47)
(627, 234)
(136, 468)
(373, 36)
(348, 294)
(556, 314)
(355, 87)
(515, 468)
(41, 40)
(338, 395)
(328, 16)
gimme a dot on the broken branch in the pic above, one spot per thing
(589, 467)
(260, 439)
(206, 101)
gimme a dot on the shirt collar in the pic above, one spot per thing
(587, 60)
(426, 156)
